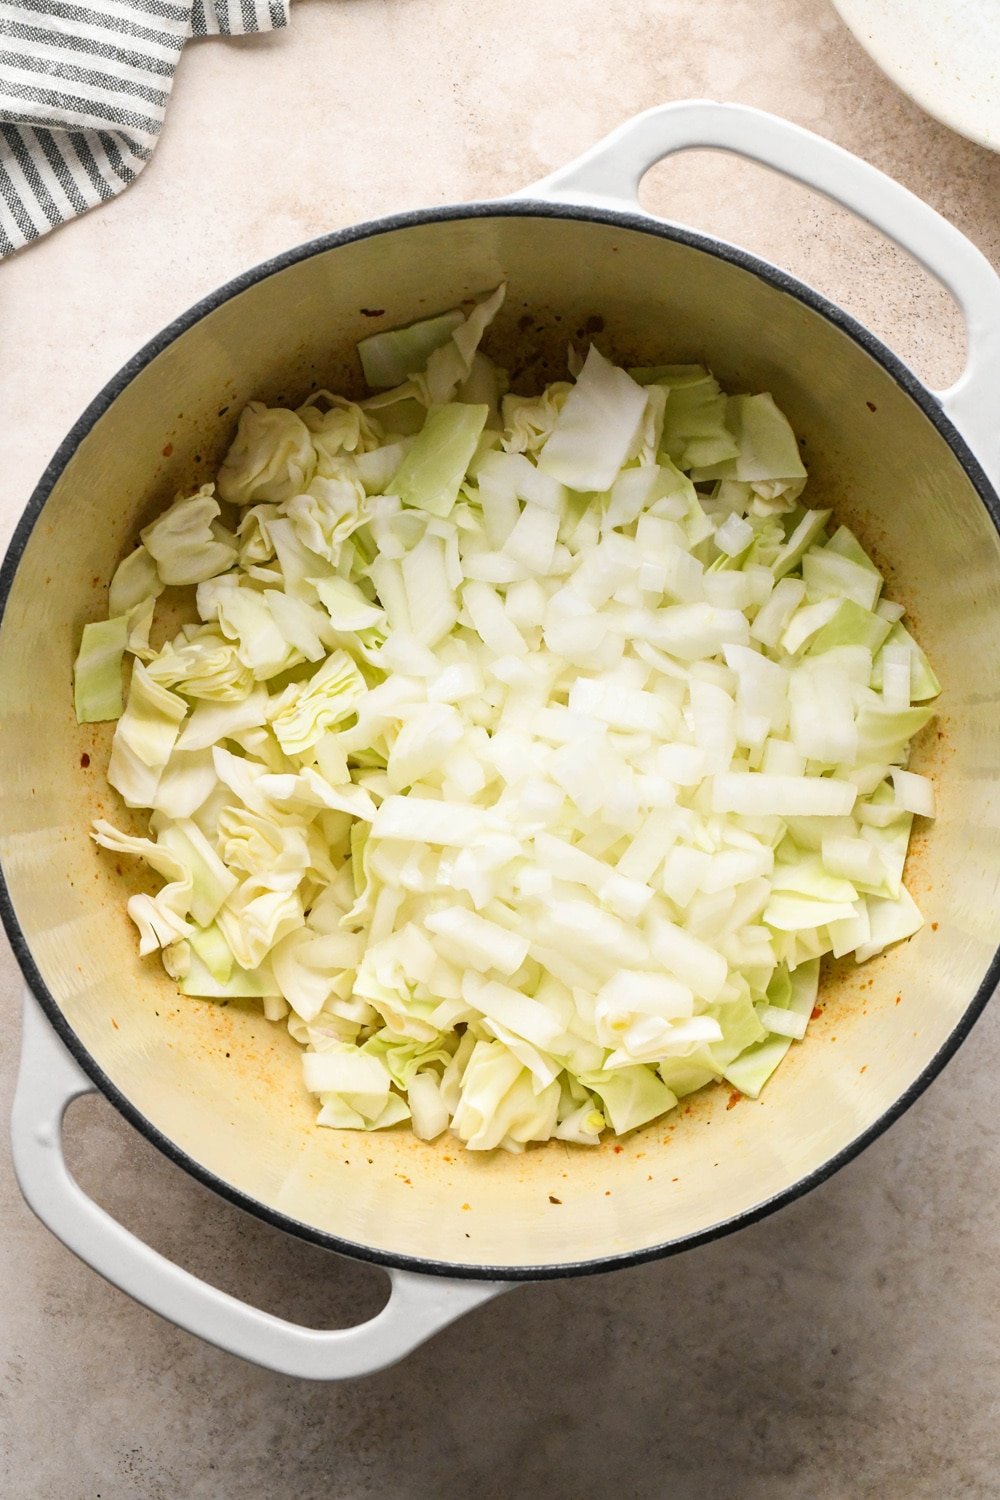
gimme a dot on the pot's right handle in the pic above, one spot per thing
(608, 176)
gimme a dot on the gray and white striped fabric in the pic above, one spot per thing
(83, 91)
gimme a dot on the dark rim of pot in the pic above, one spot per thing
(456, 212)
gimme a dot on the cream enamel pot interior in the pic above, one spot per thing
(218, 1088)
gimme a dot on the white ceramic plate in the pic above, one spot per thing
(944, 53)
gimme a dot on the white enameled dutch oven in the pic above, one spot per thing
(218, 1088)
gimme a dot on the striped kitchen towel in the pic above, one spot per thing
(83, 89)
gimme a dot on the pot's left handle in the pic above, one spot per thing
(48, 1081)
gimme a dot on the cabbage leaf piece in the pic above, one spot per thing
(187, 542)
(97, 672)
(598, 427)
(144, 738)
(431, 474)
(272, 457)
(389, 357)
(306, 710)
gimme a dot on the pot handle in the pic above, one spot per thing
(48, 1081)
(608, 176)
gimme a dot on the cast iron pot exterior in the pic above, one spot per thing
(218, 1089)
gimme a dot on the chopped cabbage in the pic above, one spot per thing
(97, 673)
(272, 458)
(523, 754)
(388, 358)
(434, 468)
(187, 543)
(597, 428)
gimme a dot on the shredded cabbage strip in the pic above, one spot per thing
(525, 754)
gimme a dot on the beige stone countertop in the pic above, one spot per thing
(848, 1346)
